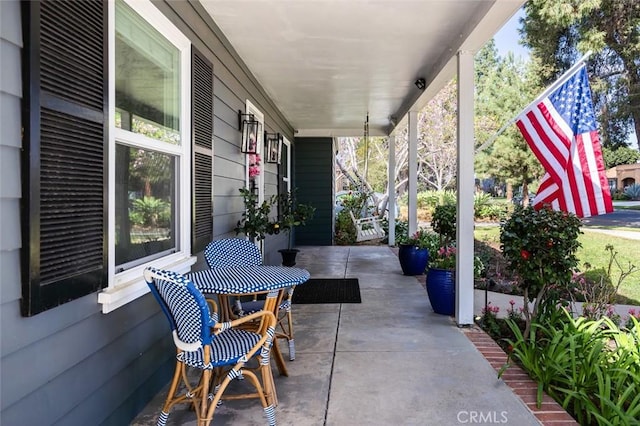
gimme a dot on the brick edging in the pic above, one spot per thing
(550, 412)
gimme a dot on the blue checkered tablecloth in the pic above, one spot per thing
(247, 279)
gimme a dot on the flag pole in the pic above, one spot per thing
(564, 77)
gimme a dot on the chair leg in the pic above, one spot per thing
(286, 327)
(292, 350)
(169, 401)
(292, 347)
(269, 409)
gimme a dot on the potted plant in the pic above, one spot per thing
(413, 251)
(440, 282)
(291, 214)
(255, 222)
(443, 223)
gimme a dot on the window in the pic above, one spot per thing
(107, 150)
(149, 149)
(147, 128)
(285, 165)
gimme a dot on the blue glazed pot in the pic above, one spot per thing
(413, 260)
(441, 288)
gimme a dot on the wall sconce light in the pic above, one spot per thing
(274, 147)
(250, 128)
(421, 83)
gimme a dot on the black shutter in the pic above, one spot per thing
(202, 159)
(65, 149)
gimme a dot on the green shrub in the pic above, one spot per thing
(633, 191)
(345, 232)
(591, 367)
(540, 247)
(430, 199)
(619, 196)
(444, 223)
(401, 230)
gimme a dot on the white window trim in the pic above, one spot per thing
(250, 108)
(128, 285)
(287, 180)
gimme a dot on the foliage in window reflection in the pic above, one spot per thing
(150, 212)
(150, 168)
(155, 131)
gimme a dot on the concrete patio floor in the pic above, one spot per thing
(389, 360)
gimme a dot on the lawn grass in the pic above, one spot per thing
(627, 207)
(593, 252)
(615, 228)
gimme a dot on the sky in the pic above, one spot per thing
(507, 41)
(507, 38)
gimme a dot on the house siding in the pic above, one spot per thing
(72, 364)
(313, 176)
(624, 174)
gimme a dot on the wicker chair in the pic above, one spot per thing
(207, 345)
(230, 252)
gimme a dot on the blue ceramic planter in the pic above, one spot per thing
(413, 260)
(441, 288)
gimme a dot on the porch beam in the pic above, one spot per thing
(412, 189)
(465, 189)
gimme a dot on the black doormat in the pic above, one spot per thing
(328, 290)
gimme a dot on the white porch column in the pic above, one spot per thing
(391, 189)
(465, 187)
(413, 171)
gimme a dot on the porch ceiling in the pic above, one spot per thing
(326, 63)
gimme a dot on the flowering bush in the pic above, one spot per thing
(540, 247)
(512, 313)
(444, 258)
(422, 239)
(254, 165)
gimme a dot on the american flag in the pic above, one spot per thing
(561, 130)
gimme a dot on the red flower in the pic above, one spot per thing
(550, 243)
(525, 254)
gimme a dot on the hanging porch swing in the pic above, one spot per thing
(369, 227)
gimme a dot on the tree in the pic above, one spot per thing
(503, 89)
(557, 31)
(437, 136)
(622, 155)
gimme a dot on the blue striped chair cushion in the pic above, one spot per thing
(229, 252)
(226, 349)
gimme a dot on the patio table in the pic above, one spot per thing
(243, 280)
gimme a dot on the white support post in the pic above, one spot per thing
(413, 172)
(465, 188)
(391, 190)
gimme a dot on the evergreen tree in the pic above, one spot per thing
(502, 93)
(557, 31)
